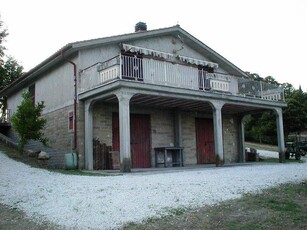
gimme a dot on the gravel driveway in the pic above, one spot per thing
(83, 202)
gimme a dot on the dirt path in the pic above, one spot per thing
(12, 219)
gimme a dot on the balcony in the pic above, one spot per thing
(173, 73)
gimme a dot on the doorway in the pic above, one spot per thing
(139, 139)
(204, 141)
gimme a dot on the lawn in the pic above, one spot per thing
(282, 207)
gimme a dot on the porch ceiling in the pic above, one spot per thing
(184, 104)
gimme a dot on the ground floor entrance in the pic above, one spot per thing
(139, 139)
(204, 141)
(135, 124)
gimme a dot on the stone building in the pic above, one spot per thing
(146, 94)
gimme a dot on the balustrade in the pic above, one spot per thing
(174, 74)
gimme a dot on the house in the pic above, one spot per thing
(155, 96)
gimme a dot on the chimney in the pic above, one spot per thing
(140, 27)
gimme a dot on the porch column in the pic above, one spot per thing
(178, 129)
(124, 130)
(88, 131)
(280, 135)
(218, 133)
(241, 139)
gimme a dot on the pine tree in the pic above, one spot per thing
(27, 121)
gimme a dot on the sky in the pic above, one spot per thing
(267, 37)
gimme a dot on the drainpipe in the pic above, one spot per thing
(75, 97)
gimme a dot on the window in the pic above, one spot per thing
(32, 93)
(70, 121)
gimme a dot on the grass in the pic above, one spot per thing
(262, 146)
(282, 207)
(273, 148)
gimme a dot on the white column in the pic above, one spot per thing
(280, 135)
(241, 139)
(88, 125)
(124, 130)
(218, 133)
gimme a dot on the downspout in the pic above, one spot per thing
(75, 97)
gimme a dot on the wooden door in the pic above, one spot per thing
(139, 139)
(204, 141)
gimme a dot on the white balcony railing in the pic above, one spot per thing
(166, 73)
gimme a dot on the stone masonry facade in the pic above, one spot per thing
(162, 130)
(56, 129)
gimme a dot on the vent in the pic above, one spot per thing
(140, 27)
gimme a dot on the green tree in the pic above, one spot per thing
(295, 114)
(288, 89)
(254, 76)
(262, 127)
(10, 69)
(27, 121)
(3, 34)
(270, 80)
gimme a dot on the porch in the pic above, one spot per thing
(139, 79)
(127, 98)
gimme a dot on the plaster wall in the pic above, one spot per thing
(168, 44)
(14, 101)
(56, 88)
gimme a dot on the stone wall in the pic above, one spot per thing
(231, 139)
(162, 130)
(60, 138)
(56, 129)
(81, 135)
(102, 122)
(189, 138)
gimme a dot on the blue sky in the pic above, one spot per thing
(268, 37)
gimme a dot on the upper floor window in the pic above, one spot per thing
(32, 93)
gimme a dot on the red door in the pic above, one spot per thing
(204, 141)
(139, 139)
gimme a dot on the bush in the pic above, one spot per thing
(27, 121)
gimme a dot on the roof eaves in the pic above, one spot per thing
(214, 53)
(32, 72)
(124, 37)
(75, 46)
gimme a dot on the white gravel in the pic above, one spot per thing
(82, 202)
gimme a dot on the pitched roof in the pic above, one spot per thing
(71, 48)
